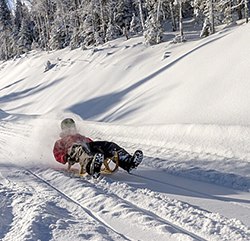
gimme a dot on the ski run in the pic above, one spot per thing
(185, 105)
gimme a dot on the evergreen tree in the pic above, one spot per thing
(88, 31)
(22, 33)
(246, 10)
(24, 41)
(172, 15)
(206, 11)
(18, 16)
(61, 30)
(110, 32)
(118, 16)
(225, 9)
(153, 27)
(135, 26)
(5, 31)
(139, 3)
(43, 13)
(55, 24)
(198, 10)
(180, 20)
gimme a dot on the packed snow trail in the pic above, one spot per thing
(41, 212)
(45, 209)
(47, 203)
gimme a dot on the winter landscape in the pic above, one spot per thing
(186, 105)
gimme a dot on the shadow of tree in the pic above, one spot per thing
(99, 105)
(10, 85)
(27, 92)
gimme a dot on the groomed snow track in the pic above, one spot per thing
(40, 201)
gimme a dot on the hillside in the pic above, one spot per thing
(185, 105)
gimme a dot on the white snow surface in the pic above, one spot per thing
(187, 106)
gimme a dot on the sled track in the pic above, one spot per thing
(129, 204)
(108, 203)
(91, 214)
(118, 204)
(37, 195)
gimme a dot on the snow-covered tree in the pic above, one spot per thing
(89, 31)
(23, 29)
(5, 31)
(206, 29)
(43, 13)
(205, 11)
(18, 15)
(135, 26)
(24, 41)
(246, 10)
(225, 8)
(153, 31)
(119, 15)
(61, 30)
(153, 28)
(198, 6)
(141, 13)
(172, 15)
(110, 32)
(180, 21)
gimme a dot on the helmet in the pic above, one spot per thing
(67, 123)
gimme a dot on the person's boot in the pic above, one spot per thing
(130, 163)
(93, 168)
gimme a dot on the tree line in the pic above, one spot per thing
(56, 24)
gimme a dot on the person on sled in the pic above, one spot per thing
(72, 147)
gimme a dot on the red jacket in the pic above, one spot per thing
(67, 140)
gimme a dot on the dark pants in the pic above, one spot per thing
(108, 149)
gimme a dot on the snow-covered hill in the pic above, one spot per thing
(185, 105)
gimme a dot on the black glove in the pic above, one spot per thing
(70, 160)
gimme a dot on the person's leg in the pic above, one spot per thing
(126, 161)
(108, 149)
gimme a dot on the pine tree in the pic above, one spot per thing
(141, 13)
(180, 21)
(246, 10)
(110, 32)
(224, 7)
(172, 14)
(24, 41)
(135, 26)
(19, 15)
(119, 15)
(43, 13)
(5, 31)
(153, 27)
(206, 11)
(22, 33)
(61, 30)
(89, 31)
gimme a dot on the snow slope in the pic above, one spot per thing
(185, 105)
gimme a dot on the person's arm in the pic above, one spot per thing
(59, 152)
